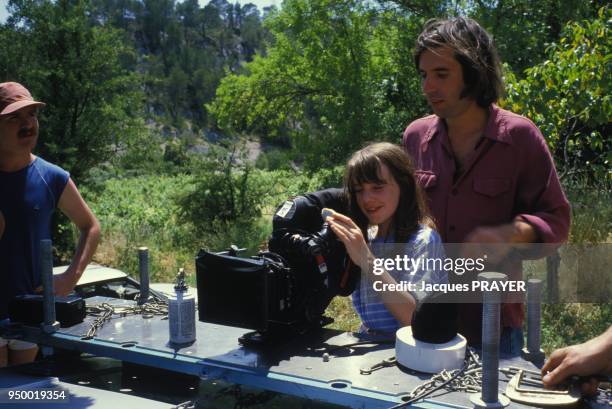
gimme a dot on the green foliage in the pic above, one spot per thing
(591, 210)
(224, 191)
(568, 97)
(141, 211)
(522, 29)
(169, 215)
(569, 324)
(274, 159)
(188, 49)
(176, 154)
(93, 104)
(143, 205)
(330, 80)
(344, 315)
(228, 197)
(327, 75)
(341, 73)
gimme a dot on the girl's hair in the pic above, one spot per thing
(364, 167)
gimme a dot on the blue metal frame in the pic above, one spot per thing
(339, 392)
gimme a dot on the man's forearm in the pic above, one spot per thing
(86, 247)
(604, 342)
(522, 232)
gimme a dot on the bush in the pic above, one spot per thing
(591, 210)
(569, 324)
(141, 211)
(274, 159)
(568, 98)
(224, 191)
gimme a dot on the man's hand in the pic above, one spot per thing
(350, 234)
(497, 241)
(72, 205)
(590, 358)
(64, 283)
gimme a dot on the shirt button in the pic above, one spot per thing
(451, 228)
(454, 192)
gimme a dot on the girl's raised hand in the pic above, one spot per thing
(351, 236)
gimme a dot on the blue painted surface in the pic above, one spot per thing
(295, 368)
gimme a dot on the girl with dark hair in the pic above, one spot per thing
(387, 207)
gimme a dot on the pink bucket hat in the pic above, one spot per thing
(14, 96)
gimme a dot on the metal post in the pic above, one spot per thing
(533, 352)
(552, 276)
(490, 396)
(50, 325)
(143, 269)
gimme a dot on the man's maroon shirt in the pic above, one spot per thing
(510, 175)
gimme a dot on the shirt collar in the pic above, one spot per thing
(496, 128)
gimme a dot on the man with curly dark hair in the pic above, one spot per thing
(487, 172)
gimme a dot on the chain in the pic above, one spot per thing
(470, 380)
(105, 312)
(467, 379)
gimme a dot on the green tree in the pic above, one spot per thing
(156, 18)
(524, 28)
(568, 97)
(333, 78)
(93, 103)
(224, 191)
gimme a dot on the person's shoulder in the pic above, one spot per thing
(420, 125)
(425, 241)
(417, 129)
(426, 235)
(51, 173)
(48, 167)
(521, 129)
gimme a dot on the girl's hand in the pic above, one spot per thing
(351, 236)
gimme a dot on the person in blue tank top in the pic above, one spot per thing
(30, 191)
(386, 203)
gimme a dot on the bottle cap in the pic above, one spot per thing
(180, 281)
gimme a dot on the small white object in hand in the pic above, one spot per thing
(325, 213)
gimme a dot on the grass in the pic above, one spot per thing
(573, 323)
(344, 315)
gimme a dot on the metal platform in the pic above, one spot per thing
(295, 368)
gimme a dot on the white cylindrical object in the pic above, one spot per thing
(181, 318)
(425, 357)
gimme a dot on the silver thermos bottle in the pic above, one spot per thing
(181, 313)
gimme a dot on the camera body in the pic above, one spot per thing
(285, 291)
(300, 235)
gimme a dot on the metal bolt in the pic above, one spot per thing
(49, 325)
(533, 352)
(143, 269)
(490, 397)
